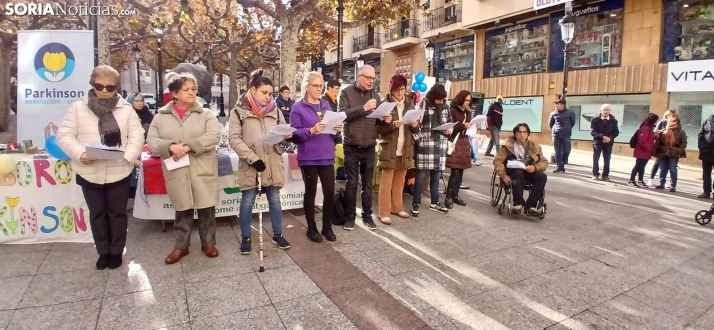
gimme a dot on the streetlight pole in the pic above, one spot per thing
(567, 30)
(137, 57)
(429, 53)
(222, 112)
(340, 11)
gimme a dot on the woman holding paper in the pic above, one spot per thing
(255, 115)
(316, 155)
(185, 135)
(103, 117)
(396, 151)
(431, 148)
(459, 151)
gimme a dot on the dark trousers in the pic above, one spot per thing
(655, 169)
(707, 176)
(562, 148)
(326, 174)
(420, 176)
(455, 179)
(519, 178)
(639, 169)
(359, 161)
(495, 140)
(206, 227)
(606, 150)
(107, 215)
(668, 164)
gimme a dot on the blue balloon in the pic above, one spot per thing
(422, 87)
(54, 150)
(420, 77)
(415, 87)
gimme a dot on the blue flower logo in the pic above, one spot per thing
(54, 62)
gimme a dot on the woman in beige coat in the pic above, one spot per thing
(184, 128)
(255, 115)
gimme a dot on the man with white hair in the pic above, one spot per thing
(359, 141)
(604, 130)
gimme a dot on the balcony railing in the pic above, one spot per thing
(369, 40)
(403, 29)
(450, 13)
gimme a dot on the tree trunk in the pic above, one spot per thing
(288, 50)
(233, 85)
(5, 48)
(103, 54)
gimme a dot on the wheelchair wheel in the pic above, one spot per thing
(703, 218)
(496, 190)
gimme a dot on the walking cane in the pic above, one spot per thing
(260, 224)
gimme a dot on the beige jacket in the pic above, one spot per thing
(79, 128)
(245, 131)
(194, 186)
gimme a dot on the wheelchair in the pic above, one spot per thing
(704, 217)
(501, 197)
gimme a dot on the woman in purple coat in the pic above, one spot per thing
(316, 154)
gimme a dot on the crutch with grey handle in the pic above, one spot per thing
(260, 224)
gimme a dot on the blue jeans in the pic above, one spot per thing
(474, 152)
(562, 150)
(433, 185)
(246, 209)
(667, 163)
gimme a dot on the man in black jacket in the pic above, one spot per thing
(604, 130)
(706, 155)
(494, 119)
(284, 102)
(359, 140)
(332, 91)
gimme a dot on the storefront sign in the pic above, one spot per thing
(587, 10)
(540, 4)
(42, 203)
(51, 75)
(518, 27)
(517, 110)
(690, 76)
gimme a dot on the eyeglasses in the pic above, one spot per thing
(316, 86)
(368, 77)
(108, 88)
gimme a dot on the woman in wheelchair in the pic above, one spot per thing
(521, 161)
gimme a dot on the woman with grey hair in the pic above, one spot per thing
(105, 117)
(183, 128)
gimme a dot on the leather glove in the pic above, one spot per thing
(259, 165)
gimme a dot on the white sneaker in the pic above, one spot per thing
(649, 183)
(476, 163)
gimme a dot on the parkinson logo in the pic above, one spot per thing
(54, 62)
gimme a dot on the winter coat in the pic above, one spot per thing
(431, 145)
(285, 106)
(244, 135)
(561, 123)
(678, 150)
(705, 140)
(494, 115)
(600, 128)
(389, 136)
(79, 128)
(333, 105)
(460, 158)
(645, 142)
(194, 186)
(506, 153)
(359, 130)
(311, 147)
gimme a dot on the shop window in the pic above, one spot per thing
(629, 110)
(454, 59)
(693, 108)
(518, 49)
(692, 35)
(598, 37)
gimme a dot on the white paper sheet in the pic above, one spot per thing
(282, 130)
(480, 119)
(272, 138)
(331, 120)
(515, 164)
(99, 151)
(444, 127)
(472, 131)
(97, 145)
(411, 116)
(172, 164)
(383, 110)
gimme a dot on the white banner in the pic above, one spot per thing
(690, 76)
(42, 203)
(540, 4)
(51, 75)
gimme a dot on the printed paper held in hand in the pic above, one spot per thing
(172, 164)
(444, 127)
(272, 138)
(383, 110)
(331, 120)
(411, 116)
(99, 151)
(282, 130)
(513, 163)
(480, 119)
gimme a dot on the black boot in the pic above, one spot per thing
(312, 232)
(327, 231)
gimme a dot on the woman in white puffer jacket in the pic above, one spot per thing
(103, 117)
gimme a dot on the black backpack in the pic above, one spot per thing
(338, 209)
(633, 139)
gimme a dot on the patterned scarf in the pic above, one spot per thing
(669, 138)
(108, 127)
(436, 119)
(255, 106)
